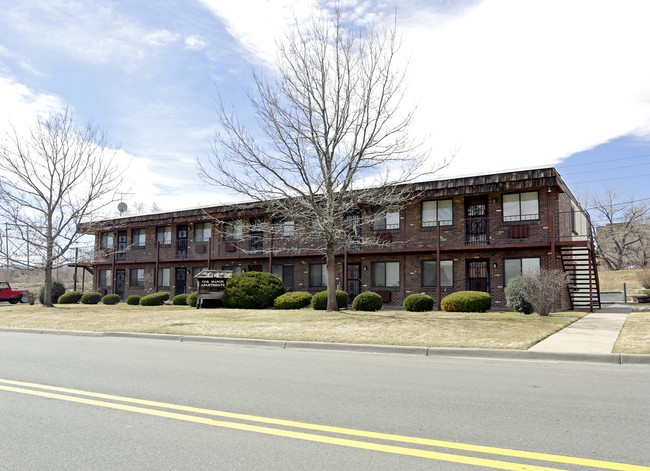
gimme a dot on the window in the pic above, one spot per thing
(521, 206)
(196, 271)
(318, 275)
(386, 219)
(385, 274)
(429, 273)
(163, 277)
(138, 237)
(137, 278)
(235, 230)
(520, 266)
(202, 232)
(234, 269)
(285, 273)
(438, 210)
(284, 227)
(107, 240)
(164, 235)
(105, 278)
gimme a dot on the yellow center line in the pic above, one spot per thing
(344, 431)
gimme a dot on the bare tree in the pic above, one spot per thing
(332, 136)
(623, 228)
(51, 179)
(543, 290)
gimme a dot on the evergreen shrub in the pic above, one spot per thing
(191, 299)
(180, 300)
(154, 299)
(418, 303)
(111, 299)
(71, 297)
(467, 301)
(91, 298)
(133, 300)
(367, 301)
(319, 300)
(515, 297)
(58, 290)
(293, 300)
(252, 290)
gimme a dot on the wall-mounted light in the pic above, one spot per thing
(495, 264)
(365, 268)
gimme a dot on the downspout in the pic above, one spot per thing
(438, 281)
(113, 272)
(155, 273)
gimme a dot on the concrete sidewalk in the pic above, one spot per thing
(595, 333)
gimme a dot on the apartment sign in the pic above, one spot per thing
(212, 284)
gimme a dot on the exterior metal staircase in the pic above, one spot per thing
(579, 261)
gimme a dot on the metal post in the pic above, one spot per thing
(209, 255)
(591, 290)
(624, 292)
(7, 244)
(155, 273)
(113, 272)
(551, 228)
(438, 283)
(83, 280)
(76, 261)
(27, 242)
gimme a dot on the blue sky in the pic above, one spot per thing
(503, 84)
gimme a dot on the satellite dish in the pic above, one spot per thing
(122, 207)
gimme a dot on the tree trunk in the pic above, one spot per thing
(47, 292)
(330, 261)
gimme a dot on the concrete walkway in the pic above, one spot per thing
(595, 333)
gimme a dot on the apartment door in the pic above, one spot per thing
(478, 275)
(181, 280)
(121, 246)
(476, 220)
(181, 241)
(354, 280)
(120, 277)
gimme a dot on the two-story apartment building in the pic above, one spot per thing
(472, 233)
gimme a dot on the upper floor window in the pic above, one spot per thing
(164, 235)
(514, 267)
(234, 230)
(202, 232)
(284, 227)
(318, 275)
(386, 219)
(138, 237)
(437, 210)
(430, 273)
(105, 278)
(106, 241)
(521, 206)
(385, 274)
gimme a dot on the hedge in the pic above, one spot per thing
(252, 290)
(368, 301)
(71, 297)
(91, 298)
(111, 299)
(191, 299)
(418, 303)
(467, 301)
(155, 299)
(515, 298)
(294, 300)
(133, 300)
(58, 290)
(319, 300)
(180, 300)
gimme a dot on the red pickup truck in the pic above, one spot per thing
(12, 295)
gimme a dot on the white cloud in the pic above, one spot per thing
(195, 43)
(21, 105)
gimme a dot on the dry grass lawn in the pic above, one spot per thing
(503, 330)
(613, 280)
(635, 334)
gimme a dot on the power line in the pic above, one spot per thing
(612, 178)
(605, 169)
(621, 203)
(603, 161)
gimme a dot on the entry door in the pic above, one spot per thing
(354, 280)
(181, 280)
(476, 221)
(120, 278)
(181, 241)
(121, 245)
(478, 275)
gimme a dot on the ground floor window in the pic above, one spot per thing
(514, 267)
(105, 278)
(163, 277)
(430, 273)
(136, 278)
(285, 273)
(318, 275)
(385, 274)
(234, 269)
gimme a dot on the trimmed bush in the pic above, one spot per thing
(319, 300)
(191, 299)
(58, 290)
(91, 298)
(467, 301)
(71, 297)
(155, 299)
(515, 297)
(418, 303)
(294, 300)
(367, 301)
(180, 300)
(252, 290)
(111, 299)
(133, 300)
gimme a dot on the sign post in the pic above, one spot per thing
(211, 284)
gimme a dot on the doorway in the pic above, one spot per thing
(478, 275)
(354, 280)
(181, 241)
(181, 280)
(476, 220)
(120, 277)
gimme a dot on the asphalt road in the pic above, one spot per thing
(570, 410)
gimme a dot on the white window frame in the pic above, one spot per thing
(518, 206)
(431, 212)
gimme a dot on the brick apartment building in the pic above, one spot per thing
(483, 230)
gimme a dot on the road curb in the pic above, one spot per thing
(477, 353)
